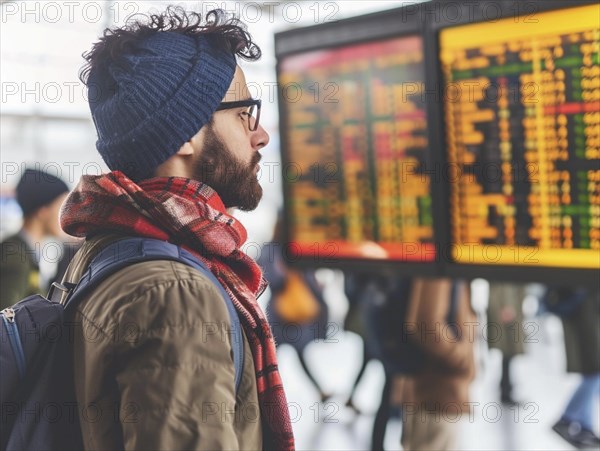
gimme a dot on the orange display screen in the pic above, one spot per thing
(522, 120)
(355, 128)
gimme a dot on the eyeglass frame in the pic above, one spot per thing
(241, 103)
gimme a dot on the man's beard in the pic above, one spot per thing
(234, 181)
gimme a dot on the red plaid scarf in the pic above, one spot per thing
(190, 214)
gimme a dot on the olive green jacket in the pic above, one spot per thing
(153, 362)
(19, 271)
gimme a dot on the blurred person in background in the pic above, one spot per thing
(40, 196)
(355, 322)
(579, 311)
(297, 311)
(505, 329)
(181, 134)
(382, 301)
(439, 320)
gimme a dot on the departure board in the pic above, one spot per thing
(522, 120)
(355, 143)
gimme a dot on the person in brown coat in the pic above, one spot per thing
(441, 323)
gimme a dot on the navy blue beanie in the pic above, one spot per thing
(37, 189)
(155, 98)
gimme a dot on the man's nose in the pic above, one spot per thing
(260, 138)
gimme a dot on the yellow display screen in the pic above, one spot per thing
(522, 119)
(355, 131)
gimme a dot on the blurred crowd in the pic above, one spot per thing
(422, 330)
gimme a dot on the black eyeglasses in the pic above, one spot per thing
(252, 104)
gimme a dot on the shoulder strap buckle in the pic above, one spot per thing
(59, 292)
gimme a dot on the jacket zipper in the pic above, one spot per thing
(8, 316)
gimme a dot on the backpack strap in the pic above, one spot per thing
(120, 254)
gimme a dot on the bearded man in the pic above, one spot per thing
(180, 132)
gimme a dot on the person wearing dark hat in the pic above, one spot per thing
(180, 133)
(40, 196)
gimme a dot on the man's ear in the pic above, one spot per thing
(177, 165)
(186, 150)
(194, 145)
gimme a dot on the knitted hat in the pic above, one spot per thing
(37, 189)
(153, 99)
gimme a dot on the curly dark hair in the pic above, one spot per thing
(225, 32)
